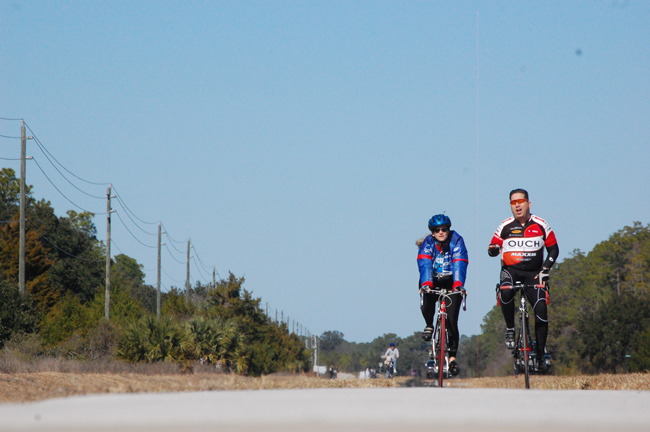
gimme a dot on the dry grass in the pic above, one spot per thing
(23, 387)
(636, 381)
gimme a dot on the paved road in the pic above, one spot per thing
(376, 409)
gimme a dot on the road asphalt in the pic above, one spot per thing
(370, 409)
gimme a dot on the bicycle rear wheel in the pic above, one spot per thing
(441, 352)
(524, 337)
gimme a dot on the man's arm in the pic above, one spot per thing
(495, 245)
(552, 250)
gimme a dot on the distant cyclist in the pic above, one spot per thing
(392, 354)
(521, 240)
(442, 260)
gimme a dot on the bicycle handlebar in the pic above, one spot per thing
(520, 286)
(443, 291)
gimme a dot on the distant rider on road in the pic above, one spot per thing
(521, 240)
(393, 354)
(442, 260)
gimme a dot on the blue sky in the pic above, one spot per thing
(305, 145)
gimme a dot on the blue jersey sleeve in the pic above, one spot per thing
(425, 262)
(459, 261)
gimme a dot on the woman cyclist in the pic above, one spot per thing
(442, 260)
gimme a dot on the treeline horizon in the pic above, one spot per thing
(62, 311)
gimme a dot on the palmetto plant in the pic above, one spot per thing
(218, 342)
(151, 341)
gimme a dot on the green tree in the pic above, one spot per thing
(640, 357)
(17, 313)
(65, 318)
(80, 269)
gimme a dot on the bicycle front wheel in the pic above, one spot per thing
(441, 353)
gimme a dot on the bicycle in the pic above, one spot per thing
(439, 351)
(525, 353)
(390, 368)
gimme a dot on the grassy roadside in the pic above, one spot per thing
(25, 387)
(635, 381)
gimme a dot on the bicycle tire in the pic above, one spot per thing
(441, 354)
(524, 333)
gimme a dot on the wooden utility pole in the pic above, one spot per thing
(214, 279)
(23, 191)
(187, 280)
(107, 300)
(158, 280)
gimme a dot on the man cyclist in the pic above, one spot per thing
(442, 260)
(392, 353)
(521, 240)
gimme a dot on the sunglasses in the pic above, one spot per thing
(443, 229)
(518, 201)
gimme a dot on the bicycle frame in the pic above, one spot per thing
(523, 353)
(440, 344)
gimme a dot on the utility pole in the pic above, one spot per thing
(276, 315)
(267, 310)
(187, 281)
(158, 281)
(214, 280)
(107, 299)
(23, 191)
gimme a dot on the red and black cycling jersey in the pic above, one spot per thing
(522, 246)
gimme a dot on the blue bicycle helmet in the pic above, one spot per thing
(439, 220)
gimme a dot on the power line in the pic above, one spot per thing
(118, 248)
(60, 164)
(174, 280)
(176, 249)
(170, 254)
(172, 243)
(9, 137)
(62, 194)
(197, 255)
(199, 269)
(134, 222)
(11, 159)
(170, 238)
(132, 235)
(10, 119)
(119, 197)
(41, 147)
(64, 251)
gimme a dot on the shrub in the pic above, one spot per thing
(151, 341)
(218, 342)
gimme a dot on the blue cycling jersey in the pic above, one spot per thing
(450, 260)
